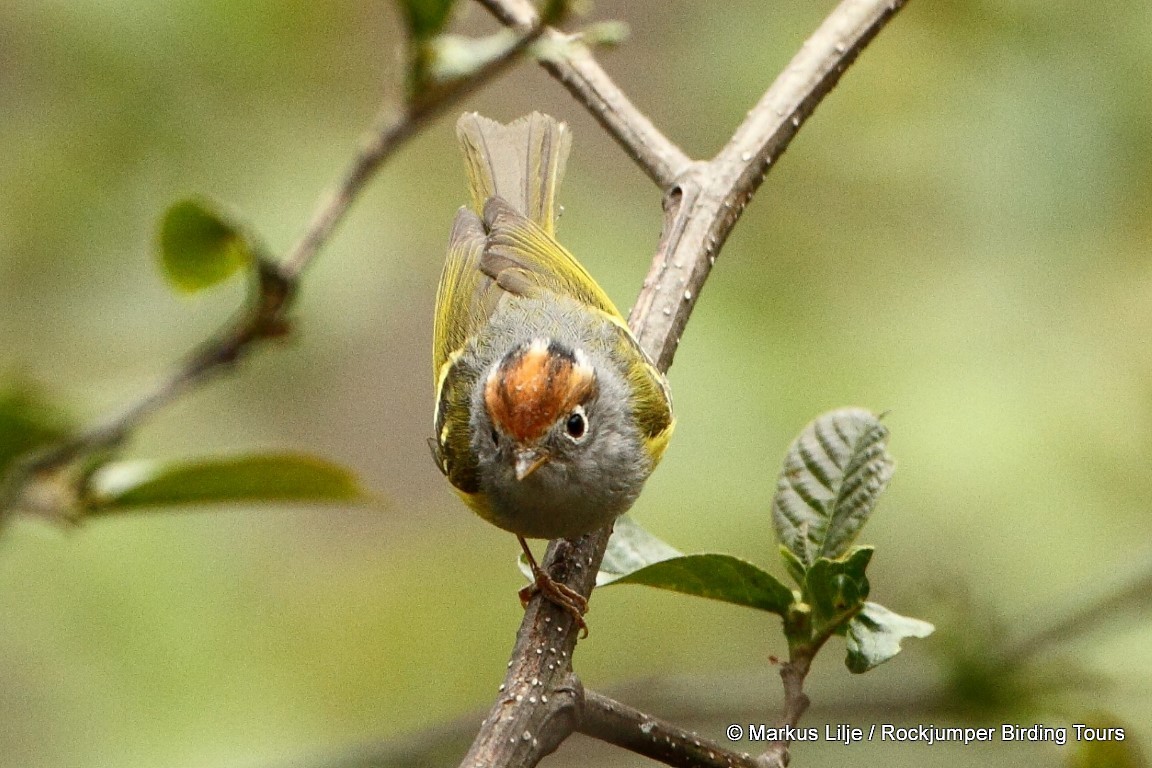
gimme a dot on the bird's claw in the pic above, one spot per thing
(559, 594)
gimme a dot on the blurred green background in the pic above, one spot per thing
(960, 235)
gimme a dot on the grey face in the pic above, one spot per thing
(584, 469)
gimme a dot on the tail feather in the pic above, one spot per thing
(522, 162)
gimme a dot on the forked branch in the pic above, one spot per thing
(34, 478)
(702, 202)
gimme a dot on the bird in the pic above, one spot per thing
(549, 416)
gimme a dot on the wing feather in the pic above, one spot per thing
(520, 255)
(466, 296)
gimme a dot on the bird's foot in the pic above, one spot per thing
(558, 593)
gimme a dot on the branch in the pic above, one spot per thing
(709, 700)
(705, 204)
(572, 63)
(391, 131)
(541, 701)
(703, 201)
(1101, 599)
(624, 726)
(792, 674)
(33, 483)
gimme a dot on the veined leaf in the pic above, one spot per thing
(874, 636)
(832, 477)
(255, 478)
(796, 569)
(635, 556)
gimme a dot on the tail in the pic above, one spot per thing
(522, 162)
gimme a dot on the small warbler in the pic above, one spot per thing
(549, 414)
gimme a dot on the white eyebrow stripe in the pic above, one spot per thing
(582, 360)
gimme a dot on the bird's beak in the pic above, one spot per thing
(528, 460)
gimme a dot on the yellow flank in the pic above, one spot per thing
(477, 502)
(657, 445)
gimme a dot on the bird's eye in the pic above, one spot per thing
(576, 425)
(495, 437)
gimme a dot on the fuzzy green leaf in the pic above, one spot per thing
(1101, 752)
(255, 478)
(833, 475)
(874, 636)
(425, 18)
(27, 422)
(200, 247)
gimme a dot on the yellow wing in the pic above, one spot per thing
(651, 404)
(465, 297)
(521, 256)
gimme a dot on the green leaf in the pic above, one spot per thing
(605, 33)
(635, 556)
(1101, 752)
(425, 18)
(833, 475)
(27, 422)
(200, 247)
(874, 636)
(796, 569)
(836, 589)
(251, 478)
(455, 57)
(631, 548)
(718, 577)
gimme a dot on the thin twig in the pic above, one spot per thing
(392, 130)
(702, 208)
(1101, 599)
(265, 316)
(570, 61)
(702, 203)
(796, 702)
(617, 723)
